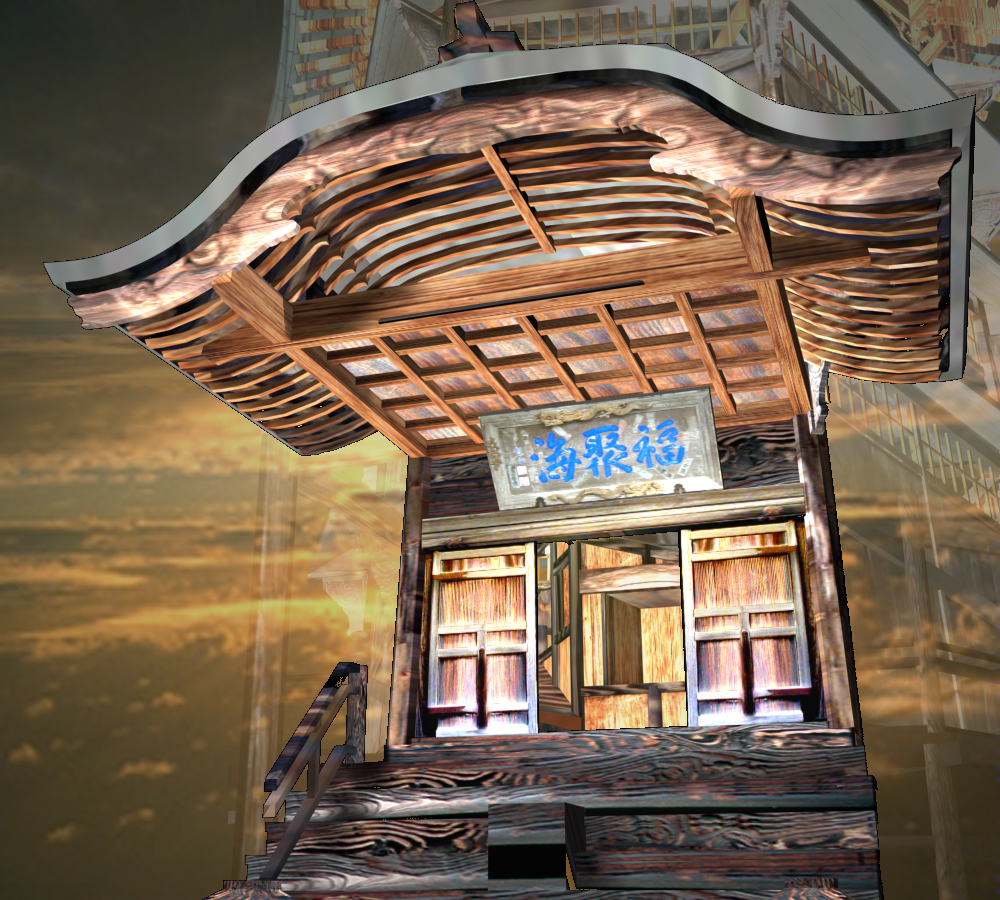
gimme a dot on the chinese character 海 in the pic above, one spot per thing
(560, 463)
(669, 453)
(601, 445)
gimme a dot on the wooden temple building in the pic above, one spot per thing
(654, 688)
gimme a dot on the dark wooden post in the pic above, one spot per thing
(940, 791)
(357, 712)
(404, 693)
(834, 652)
(576, 676)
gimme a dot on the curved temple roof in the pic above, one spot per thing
(417, 196)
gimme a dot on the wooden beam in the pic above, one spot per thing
(548, 351)
(620, 340)
(759, 245)
(520, 201)
(701, 264)
(341, 382)
(694, 327)
(474, 356)
(428, 387)
(629, 578)
(259, 304)
(405, 688)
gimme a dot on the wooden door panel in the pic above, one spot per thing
(744, 624)
(482, 644)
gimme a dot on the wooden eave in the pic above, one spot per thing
(351, 311)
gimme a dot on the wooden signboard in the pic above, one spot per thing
(604, 449)
(482, 654)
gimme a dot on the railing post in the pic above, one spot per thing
(357, 707)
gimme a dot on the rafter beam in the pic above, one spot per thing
(548, 351)
(760, 247)
(435, 396)
(266, 312)
(473, 355)
(340, 381)
(701, 264)
(510, 185)
(697, 332)
(620, 340)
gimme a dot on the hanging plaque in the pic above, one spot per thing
(606, 449)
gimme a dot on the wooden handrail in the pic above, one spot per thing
(347, 681)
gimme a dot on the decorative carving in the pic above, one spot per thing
(585, 415)
(423, 28)
(476, 35)
(818, 378)
(645, 489)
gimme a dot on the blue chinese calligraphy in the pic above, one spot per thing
(561, 463)
(602, 445)
(670, 451)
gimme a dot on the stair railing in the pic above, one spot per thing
(348, 682)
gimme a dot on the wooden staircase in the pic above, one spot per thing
(668, 813)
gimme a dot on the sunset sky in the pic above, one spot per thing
(128, 494)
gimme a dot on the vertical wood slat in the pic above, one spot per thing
(940, 790)
(834, 653)
(576, 630)
(404, 690)
(357, 713)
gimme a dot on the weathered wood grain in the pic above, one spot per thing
(540, 892)
(670, 868)
(758, 455)
(814, 789)
(605, 518)
(405, 689)
(384, 855)
(544, 823)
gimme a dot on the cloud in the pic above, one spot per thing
(225, 626)
(147, 768)
(80, 574)
(39, 707)
(26, 753)
(62, 835)
(135, 818)
(168, 700)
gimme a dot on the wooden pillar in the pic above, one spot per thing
(404, 691)
(357, 713)
(940, 791)
(834, 652)
(576, 678)
(266, 650)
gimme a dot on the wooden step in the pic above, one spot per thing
(790, 816)
(407, 800)
(544, 893)
(806, 735)
(711, 762)
(393, 855)
(670, 868)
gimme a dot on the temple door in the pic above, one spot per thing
(744, 625)
(482, 653)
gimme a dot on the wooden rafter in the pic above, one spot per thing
(751, 224)
(364, 403)
(620, 340)
(697, 333)
(704, 264)
(548, 351)
(259, 304)
(474, 357)
(499, 168)
(435, 396)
